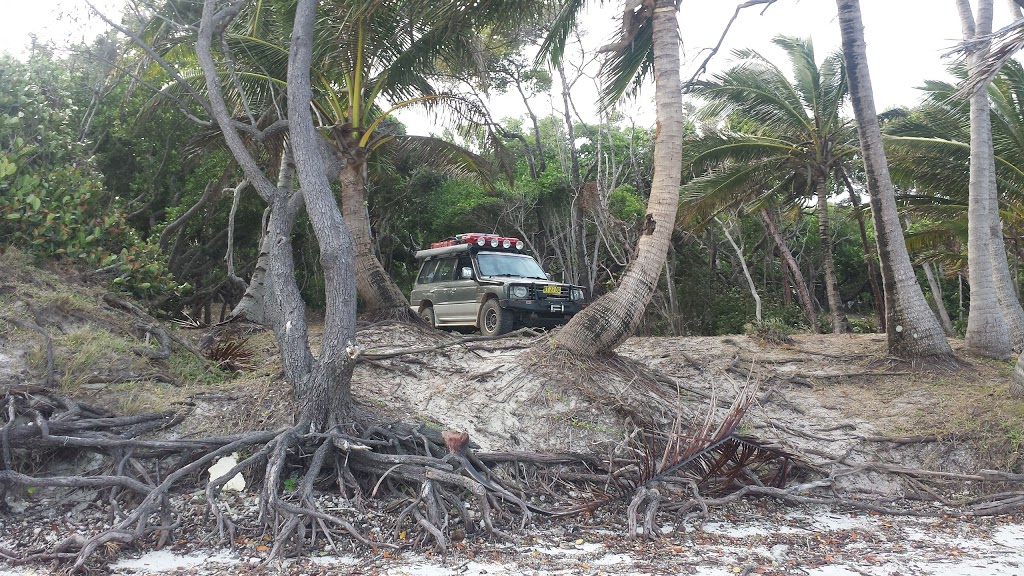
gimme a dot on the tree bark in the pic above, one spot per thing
(911, 329)
(1017, 382)
(252, 305)
(326, 396)
(1002, 276)
(381, 297)
(794, 270)
(835, 303)
(610, 320)
(869, 253)
(940, 306)
(987, 329)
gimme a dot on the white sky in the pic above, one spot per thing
(905, 40)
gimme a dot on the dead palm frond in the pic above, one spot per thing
(1004, 43)
(231, 354)
(713, 459)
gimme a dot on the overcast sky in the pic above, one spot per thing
(905, 39)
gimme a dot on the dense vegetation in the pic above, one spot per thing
(100, 171)
(243, 160)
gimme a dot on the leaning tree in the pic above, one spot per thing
(781, 141)
(912, 331)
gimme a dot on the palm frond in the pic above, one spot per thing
(449, 159)
(714, 459)
(628, 65)
(565, 21)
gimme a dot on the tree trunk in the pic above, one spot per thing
(746, 271)
(835, 303)
(381, 297)
(987, 330)
(1006, 292)
(869, 254)
(940, 306)
(794, 270)
(911, 329)
(253, 302)
(322, 385)
(326, 396)
(1017, 382)
(610, 320)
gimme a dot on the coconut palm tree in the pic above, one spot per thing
(931, 153)
(648, 41)
(782, 140)
(912, 331)
(987, 331)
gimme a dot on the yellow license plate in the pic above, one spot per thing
(552, 289)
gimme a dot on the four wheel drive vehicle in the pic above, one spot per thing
(485, 281)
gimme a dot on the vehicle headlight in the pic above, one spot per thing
(520, 292)
(577, 294)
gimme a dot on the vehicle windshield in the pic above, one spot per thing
(509, 265)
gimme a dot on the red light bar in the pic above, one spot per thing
(480, 239)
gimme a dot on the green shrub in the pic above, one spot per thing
(52, 203)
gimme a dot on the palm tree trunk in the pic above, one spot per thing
(987, 331)
(610, 320)
(835, 303)
(794, 270)
(381, 297)
(1006, 294)
(911, 329)
(252, 305)
(1017, 382)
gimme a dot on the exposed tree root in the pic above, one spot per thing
(438, 490)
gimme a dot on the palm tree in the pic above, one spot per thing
(373, 59)
(932, 151)
(782, 140)
(649, 40)
(987, 332)
(911, 329)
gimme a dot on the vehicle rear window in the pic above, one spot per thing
(445, 270)
(427, 272)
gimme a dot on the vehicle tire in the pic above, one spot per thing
(427, 314)
(494, 320)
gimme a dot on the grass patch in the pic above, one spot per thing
(85, 352)
(187, 369)
(145, 397)
(972, 405)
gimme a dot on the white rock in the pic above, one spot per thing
(221, 467)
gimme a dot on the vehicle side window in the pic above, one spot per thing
(464, 262)
(428, 272)
(445, 270)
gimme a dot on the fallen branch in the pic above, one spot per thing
(443, 345)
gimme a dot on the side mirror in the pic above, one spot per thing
(467, 273)
(548, 275)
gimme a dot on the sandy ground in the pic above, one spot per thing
(744, 539)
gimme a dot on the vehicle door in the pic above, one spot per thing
(464, 292)
(442, 292)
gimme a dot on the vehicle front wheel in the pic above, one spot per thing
(427, 314)
(494, 320)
